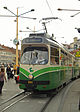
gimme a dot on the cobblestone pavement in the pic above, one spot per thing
(10, 88)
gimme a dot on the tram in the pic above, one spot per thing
(45, 64)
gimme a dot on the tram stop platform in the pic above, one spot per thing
(71, 97)
(10, 88)
(67, 100)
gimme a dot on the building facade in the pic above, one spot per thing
(7, 55)
(75, 49)
(76, 44)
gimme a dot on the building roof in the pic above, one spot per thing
(7, 49)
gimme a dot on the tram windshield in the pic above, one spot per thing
(35, 55)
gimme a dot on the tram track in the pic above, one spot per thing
(57, 103)
(29, 99)
(9, 102)
(50, 99)
(64, 96)
(43, 107)
(46, 104)
(12, 98)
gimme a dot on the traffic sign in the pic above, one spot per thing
(15, 41)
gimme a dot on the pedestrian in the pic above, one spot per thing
(17, 74)
(12, 75)
(2, 77)
(2, 66)
(8, 71)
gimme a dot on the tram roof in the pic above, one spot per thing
(56, 44)
(43, 38)
(39, 38)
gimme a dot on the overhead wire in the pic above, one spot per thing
(49, 7)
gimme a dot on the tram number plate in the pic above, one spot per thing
(30, 82)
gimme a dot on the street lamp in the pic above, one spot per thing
(78, 29)
(17, 27)
(59, 9)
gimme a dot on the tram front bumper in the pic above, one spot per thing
(30, 84)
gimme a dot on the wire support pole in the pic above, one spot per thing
(17, 39)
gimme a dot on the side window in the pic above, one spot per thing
(54, 56)
(65, 59)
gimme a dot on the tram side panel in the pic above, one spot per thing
(47, 80)
(75, 72)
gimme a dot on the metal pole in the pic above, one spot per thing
(17, 39)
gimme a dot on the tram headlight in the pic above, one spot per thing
(17, 77)
(30, 76)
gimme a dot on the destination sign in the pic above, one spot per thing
(32, 40)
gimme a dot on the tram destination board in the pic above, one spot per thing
(32, 40)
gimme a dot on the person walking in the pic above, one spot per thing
(2, 77)
(17, 74)
(8, 71)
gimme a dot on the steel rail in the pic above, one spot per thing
(62, 102)
(12, 98)
(7, 107)
(47, 103)
(64, 96)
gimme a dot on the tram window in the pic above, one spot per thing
(66, 59)
(54, 57)
(35, 48)
(35, 55)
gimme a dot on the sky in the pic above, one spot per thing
(43, 9)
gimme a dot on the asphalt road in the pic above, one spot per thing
(67, 100)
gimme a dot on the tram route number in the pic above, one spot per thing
(30, 82)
